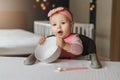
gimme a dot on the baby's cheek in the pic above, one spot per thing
(54, 31)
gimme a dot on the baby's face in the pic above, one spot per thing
(61, 25)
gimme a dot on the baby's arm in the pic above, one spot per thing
(62, 44)
(76, 46)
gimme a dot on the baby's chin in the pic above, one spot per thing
(61, 36)
(58, 35)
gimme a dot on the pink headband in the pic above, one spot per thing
(61, 10)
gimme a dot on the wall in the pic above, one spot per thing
(13, 20)
(80, 10)
(20, 6)
(26, 6)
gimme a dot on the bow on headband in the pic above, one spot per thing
(53, 11)
(60, 10)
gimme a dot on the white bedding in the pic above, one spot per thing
(17, 42)
(12, 68)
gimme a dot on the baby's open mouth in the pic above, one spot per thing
(60, 33)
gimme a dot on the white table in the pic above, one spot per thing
(12, 68)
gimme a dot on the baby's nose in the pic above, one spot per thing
(58, 26)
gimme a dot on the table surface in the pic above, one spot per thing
(12, 68)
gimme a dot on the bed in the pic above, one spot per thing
(14, 37)
(12, 68)
(17, 42)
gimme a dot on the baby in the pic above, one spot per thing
(61, 21)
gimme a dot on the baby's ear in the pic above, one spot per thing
(72, 24)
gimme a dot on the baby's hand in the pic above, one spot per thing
(42, 40)
(60, 42)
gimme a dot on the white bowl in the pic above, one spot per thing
(48, 52)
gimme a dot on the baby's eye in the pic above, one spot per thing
(62, 22)
(53, 24)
